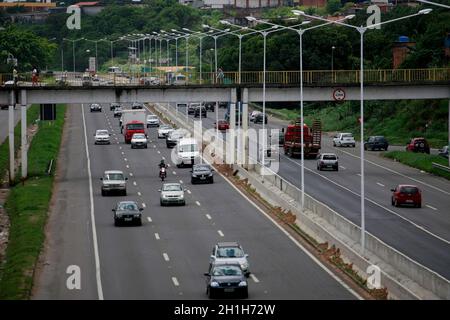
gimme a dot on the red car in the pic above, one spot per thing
(418, 145)
(406, 194)
(222, 125)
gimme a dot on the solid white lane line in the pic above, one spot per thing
(380, 184)
(254, 278)
(166, 256)
(188, 191)
(220, 233)
(149, 219)
(396, 172)
(208, 216)
(94, 230)
(379, 205)
(197, 203)
(157, 236)
(432, 208)
(175, 281)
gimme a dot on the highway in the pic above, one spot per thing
(167, 256)
(422, 234)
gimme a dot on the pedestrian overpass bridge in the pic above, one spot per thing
(280, 86)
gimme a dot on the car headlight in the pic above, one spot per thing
(244, 265)
(137, 215)
(182, 196)
(214, 284)
(243, 284)
(210, 175)
(194, 175)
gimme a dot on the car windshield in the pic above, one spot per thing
(233, 252)
(102, 132)
(329, 157)
(188, 148)
(114, 176)
(135, 126)
(227, 271)
(164, 127)
(138, 136)
(412, 190)
(347, 135)
(172, 187)
(128, 206)
(202, 168)
(152, 117)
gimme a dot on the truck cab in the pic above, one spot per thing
(311, 139)
(131, 128)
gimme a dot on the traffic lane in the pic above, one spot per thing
(4, 122)
(403, 236)
(69, 229)
(378, 183)
(131, 266)
(239, 221)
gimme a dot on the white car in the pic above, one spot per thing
(344, 140)
(164, 130)
(138, 140)
(152, 120)
(172, 193)
(114, 181)
(253, 115)
(102, 137)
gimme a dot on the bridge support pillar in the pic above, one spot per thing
(24, 142)
(231, 142)
(244, 133)
(12, 104)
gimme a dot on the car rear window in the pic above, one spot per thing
(329, 157)
(229, 253)
(411, 190)
(135, 126)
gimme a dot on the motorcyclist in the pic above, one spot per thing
(162, 164)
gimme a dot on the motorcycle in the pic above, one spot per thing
(162, 173)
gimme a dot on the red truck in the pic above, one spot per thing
(312, 138)
(132, 128)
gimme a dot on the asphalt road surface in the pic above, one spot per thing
(422, 234)
(167, 256)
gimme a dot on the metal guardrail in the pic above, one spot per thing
(310, 77)
(440, 166)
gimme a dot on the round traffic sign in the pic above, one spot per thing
(339, 94)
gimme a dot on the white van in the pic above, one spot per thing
(186, 151)
(114, 70)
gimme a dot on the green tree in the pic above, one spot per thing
(333, 6)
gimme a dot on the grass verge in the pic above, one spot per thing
(27, 207)
(420, 161)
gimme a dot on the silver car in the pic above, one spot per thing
(138, 140)
(114, 181)
(102, 137)
(327, 161)
(164, 130)
(172, 193)
(230, 252)
(152, 120)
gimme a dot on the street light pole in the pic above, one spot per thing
(361, 31)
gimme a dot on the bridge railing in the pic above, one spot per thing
(310, 77)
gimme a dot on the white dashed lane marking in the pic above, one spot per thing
(139, 194)
(144, 205)
(131, 174)
(432, 208)
(127, 166)
(342, 167)
(254, 278)
(181, 181)
(157, 236)
(380, 184)
(134, 183)
(188, 191)
(208, 216)
(220, 233)
(166, 256)
(149, 219)
(197, 203)
(175, 281)
(174, 172)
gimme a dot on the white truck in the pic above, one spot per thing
(187, 152)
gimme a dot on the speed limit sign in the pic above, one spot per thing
(339, 94)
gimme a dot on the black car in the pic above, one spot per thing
(191, 108)
(259, 118)
(137, 105)
(114, 105)
(202, 173)
(96, 107)
(210, 106)
(118, 112)
(223, 104)
(127, 211)
(198, 110)
(225, 279)
(4, 106)
(376, 143)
